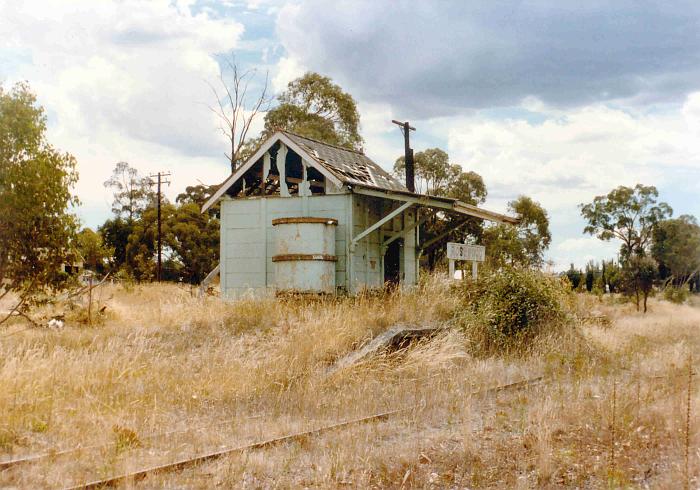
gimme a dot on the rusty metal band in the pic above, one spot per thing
(304, 219)
(298, 257)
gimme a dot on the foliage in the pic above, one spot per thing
(612, 276)
(574, 275)
(194, 239)
(533, 229)
(594, 277)
(36, 182)
(190, 239)
(315, 107)
(200, 194)
(435, 175)
(524, 243)
(141, 247)
(629, 214)
(515, 304)
(676, 294)
(115, 235)
(676, 247)
(132, 192)
(92, 248)
(590, 279)
(638, 273)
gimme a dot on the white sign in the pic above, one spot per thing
(461, 251)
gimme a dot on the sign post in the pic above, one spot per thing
(462, 251)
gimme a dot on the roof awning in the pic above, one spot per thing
(443, 203)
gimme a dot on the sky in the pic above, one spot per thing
(560, 101)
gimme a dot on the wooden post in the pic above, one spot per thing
(406, 128)
(160, 181)
(475, 268)
(452, 269)
(90, 300)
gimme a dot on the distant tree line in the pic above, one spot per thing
(126, 243)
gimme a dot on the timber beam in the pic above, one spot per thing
(379, 223)
(439, 203)
(432, 241)
(402, 232)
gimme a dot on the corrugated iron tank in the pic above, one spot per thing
(305, 254)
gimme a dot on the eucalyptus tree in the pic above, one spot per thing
(315, 107)
(37, 228)
(630, 214)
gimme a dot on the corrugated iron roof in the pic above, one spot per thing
(349, 166)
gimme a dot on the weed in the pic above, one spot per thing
(125, 439)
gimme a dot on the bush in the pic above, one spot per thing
(506, 308)
(678, 295)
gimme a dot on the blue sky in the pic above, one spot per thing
(560, 101)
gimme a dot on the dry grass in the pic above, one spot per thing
(161, 360)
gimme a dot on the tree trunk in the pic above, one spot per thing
(636, 296)
(646, 295)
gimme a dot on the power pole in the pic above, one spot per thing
(159, 182)
(406, 128)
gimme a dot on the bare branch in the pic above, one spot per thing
(21, 302)
(236, 114)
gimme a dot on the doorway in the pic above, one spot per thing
(392, 262)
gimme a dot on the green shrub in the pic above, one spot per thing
(506, 308)
(678, 295)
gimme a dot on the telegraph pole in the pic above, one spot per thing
(406, 128)
(160, 181)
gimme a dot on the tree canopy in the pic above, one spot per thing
(92, 247)
(314, 106)
(36, 183)
(132, 192)
(629, 214)
(436, 175)
(676, 247)
(524, 243)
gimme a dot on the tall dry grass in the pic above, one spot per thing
(163, 360)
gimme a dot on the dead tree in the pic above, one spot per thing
(235, 111)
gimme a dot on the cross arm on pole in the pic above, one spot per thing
(403, 124)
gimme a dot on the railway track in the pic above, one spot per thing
(203, 458)
(184, 463)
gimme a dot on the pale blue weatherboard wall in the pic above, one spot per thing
(248, 240)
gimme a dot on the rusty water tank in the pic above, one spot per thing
(305, 254)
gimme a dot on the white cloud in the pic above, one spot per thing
(567, 160)
(286, 70)
(580, 251)
(123, 81)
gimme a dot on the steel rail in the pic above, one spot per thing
(188, 462)
(57, 453)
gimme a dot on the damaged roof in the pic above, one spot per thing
(349, 166)
(354, 169)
